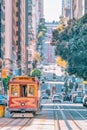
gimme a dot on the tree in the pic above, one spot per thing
(56, 32)
(72, 47)
(35, 73)
(36, 58)
(61, 62)
(61, 20)
(41, 32)
(5, 83)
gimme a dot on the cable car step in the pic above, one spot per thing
(23, 115)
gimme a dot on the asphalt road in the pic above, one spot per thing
(53, 116)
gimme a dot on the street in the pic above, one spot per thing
(43, 65)
(54, 116)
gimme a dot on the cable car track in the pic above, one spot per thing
(26, 123)
(65, 119)
(60, 119)
(8, 122)
(19, 122)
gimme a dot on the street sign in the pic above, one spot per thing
(4, 73)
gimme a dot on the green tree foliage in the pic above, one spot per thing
(72, 46)
(35, 73)
(56, 33)
(36, 58)
(5, 83)
(41, 31)
(61, 20)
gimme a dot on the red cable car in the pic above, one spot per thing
(24, 96)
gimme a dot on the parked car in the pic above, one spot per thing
(85, 100)
(45, 96)
(74, 96)
(56, 98)
(78, 99)
(3, 100)
(66, 97)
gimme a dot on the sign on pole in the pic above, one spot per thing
(4, 73)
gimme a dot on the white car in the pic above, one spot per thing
(85, 100)
(56, 98)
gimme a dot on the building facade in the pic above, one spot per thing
(15, 35)
(73, 9)
(22, 36)
(35, 12)
(8, 35)
(85, 3)
(67, 10)
(78, 9)
(19, 21)
(16, 45)
(2, 28)
(2, 39)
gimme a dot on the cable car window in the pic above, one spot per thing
(14, 90)
(23, 91)
(31, 90)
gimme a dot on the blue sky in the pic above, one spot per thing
(52, 10)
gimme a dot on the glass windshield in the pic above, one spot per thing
(14, 90)
(31, 90)
(23, 91)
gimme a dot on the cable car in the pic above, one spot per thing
(24, 96)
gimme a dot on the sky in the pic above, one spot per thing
(52, 10)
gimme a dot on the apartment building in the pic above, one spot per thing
(8, 35)
(67, 10)
(15, 35)
(22, 35)
(85, 4)
(19, 21)
(2, 39)
(2, 28)
(78, 9)
(73, 9)
(35, 12)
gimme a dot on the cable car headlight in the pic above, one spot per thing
(22, 104)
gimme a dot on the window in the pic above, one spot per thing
(31, 90)
(29, 62)
(14, 90)
(29, 13)
(17, 4)
(23, 91)
(17, 33)
(17, 23)
(17, 14)
(30, 2)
